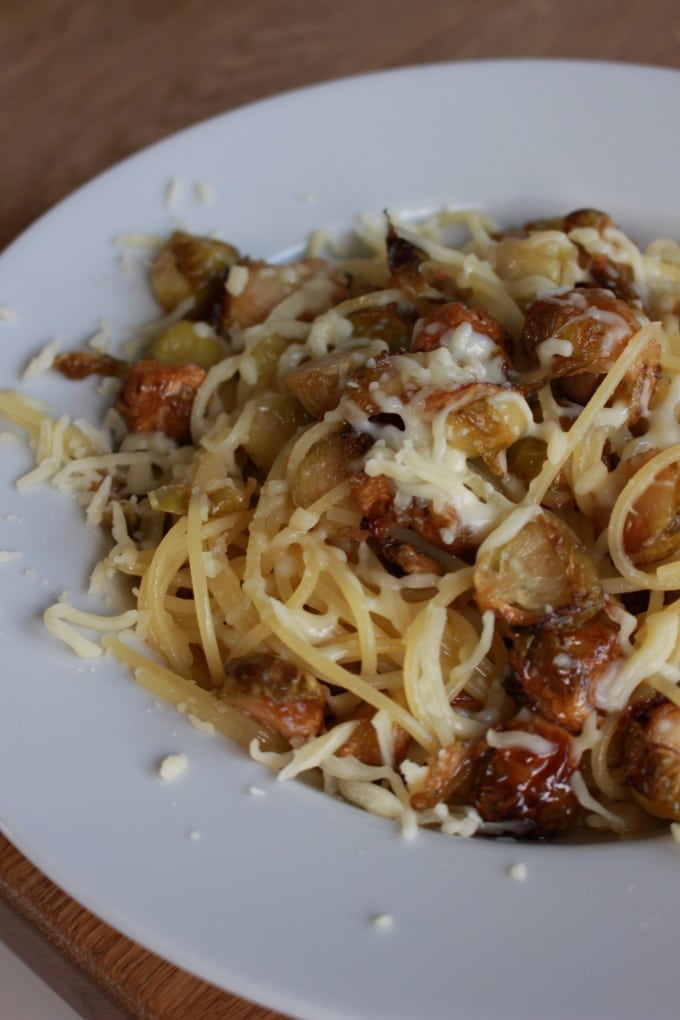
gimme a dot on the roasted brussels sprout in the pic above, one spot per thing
(483, 420)
(263, 286)
(159, 398)
(274, 692)
(525, 459)
(577, 336)
(322, 468)
(527, 790)
(604, 271)
(391, 323)
(436, 330)
(319, 384)
(277, 417)
(193, 267)
(363, 743)
(187, 343)
(542, 575)
(651, 755)
(652, 528)
(555, 673)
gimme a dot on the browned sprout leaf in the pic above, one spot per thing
(159, 398)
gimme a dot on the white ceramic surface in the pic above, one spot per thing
(275, 899)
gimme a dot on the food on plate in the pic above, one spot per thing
(404, 515)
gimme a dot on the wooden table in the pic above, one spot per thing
(84, 83)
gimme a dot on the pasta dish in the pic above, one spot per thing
(403, 515)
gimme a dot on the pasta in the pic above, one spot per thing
(404, 515)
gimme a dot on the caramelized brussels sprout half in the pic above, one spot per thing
(527, 791)
(591, 327)
(322, 468)
(651, 755)
(436, 330)
(483, 420)
(187, 343)
(391, 323)
(266, 285)
(274, 692)
(556, 673)
(594, 326)
(277, 417)
(159, 398)
(604, 272)
(193, 267)
(587, 217)
(652, 528)
(525, 459)
(542, 575)
(319, 384)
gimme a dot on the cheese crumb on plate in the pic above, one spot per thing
(173, 766)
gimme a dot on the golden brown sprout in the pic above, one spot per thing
(483, 420)
(278, 416)
(525, 458)
(604, 271)
(408, 536)
(322, 468)
(275, 693)
(159, 398)
(191, 267)
(651, 755)
(184, 343)
(652, 528)
(267, 285)
(377, 376)
(433, 329)
(450, 774)
(404, 260)
(587, 217)
(530, 793)
(319, 384)
(556, 673)
(363, 742)
(595, 327)
(542, 575)
(391, 323)
(596, 324)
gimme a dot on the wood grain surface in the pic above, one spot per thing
(85, 83)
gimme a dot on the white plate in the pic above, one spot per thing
(275, 899)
